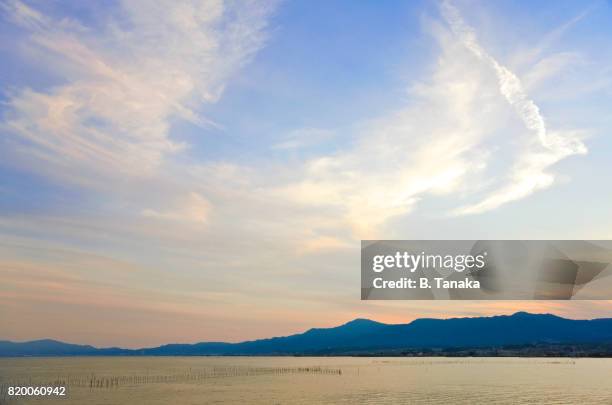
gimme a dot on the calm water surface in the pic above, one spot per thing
(302, 380)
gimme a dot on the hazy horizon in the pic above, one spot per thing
(294, 333)
(205, 171)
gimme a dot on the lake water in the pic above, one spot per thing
(301, 380)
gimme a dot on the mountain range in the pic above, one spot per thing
(367, 337)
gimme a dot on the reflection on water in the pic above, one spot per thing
(265, 380)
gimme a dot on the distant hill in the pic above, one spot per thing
(363, 336)
(48, 347)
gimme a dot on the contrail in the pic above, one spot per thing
(529, 171)
(510, 85)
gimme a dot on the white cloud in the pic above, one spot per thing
(434, 146)
(442, 143)
(192, 209)
(529, 172)
(151, 63)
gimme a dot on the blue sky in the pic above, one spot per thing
(212, 166)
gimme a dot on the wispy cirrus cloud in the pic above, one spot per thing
(441, 144)
(529, 172)
(124, 83)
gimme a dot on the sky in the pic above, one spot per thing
(204, 171)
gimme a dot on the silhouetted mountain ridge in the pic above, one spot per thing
(364, 336)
